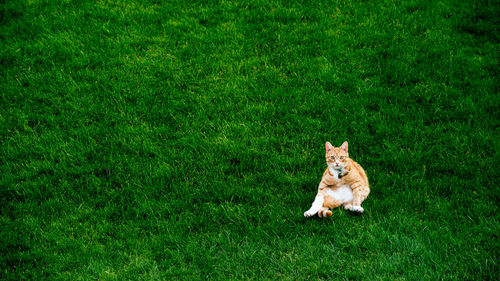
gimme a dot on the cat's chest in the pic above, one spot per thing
(330, 180)
(342, 193)
(334, 174)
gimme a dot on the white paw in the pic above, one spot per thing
(308, 214)
(357, 209)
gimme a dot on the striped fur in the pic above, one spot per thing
(344, 183)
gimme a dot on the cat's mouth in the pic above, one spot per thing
(336, 166)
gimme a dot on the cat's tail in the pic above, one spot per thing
(324, 213)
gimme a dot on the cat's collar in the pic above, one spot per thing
(338, 174)
(342, 173)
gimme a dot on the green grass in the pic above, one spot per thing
(165, 140)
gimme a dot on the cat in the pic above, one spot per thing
(344, 183)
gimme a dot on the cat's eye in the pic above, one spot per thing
(341, 157)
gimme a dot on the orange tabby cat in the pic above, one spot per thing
(344, 183)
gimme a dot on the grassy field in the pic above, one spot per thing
(183, 140)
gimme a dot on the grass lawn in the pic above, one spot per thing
(183, 140)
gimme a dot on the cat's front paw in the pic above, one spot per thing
(347, 207)
(308, 214)
(357, 209)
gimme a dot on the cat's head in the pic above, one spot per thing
(336, 157)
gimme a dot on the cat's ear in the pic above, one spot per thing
(344, 147)
(328, 146)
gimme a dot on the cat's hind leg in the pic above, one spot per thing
(359, 195)
(353, 208)
(315, 207)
